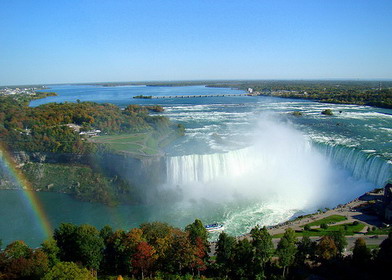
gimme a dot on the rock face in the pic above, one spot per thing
(141, 172)
(62, 173)
(22, 158)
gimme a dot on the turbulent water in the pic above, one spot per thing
(243, 160)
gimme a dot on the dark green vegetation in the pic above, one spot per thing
(24, 98)
(64, 127)
(57, 146)
(143, 97)
(371, 93)
(160, 251)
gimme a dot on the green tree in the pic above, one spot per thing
(51, 249)
(243, 265)
(305, 249)
(80, 244)
(197, 230)
(384, 256)
(286, 249)
(224, 253)
(106, 232)
(323, 226)
(68, 271)
(90, 246)
(65, 237)
(263, 247)
(361, 253)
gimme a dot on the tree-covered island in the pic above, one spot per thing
(58, 146)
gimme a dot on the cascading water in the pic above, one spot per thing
(281, 174)
(206, 168)
(361, 165)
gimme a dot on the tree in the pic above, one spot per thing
(18, 261)
(116, 254)
(90, 246)
(65, 237)
(361, 253)
(198, 236)
(200, 256)
(80, 244)
(262, 243)
(51, 250)
(154, 231)
(17, 249)
(384, 256)
(224, 252)
(326, 249)
(143, 258)
(106, 232)
(68, 271)
(339, 239)
(286, 249)
(305, 248)
(197, 230)
(243, 265)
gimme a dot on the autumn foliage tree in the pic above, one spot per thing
(143, 258)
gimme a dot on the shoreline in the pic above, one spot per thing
(354, 210)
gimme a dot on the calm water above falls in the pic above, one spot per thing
(243, 161)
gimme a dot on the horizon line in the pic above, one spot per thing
(145, 82)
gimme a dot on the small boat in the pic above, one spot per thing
(214, 227)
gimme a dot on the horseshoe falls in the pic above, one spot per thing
(243, 161)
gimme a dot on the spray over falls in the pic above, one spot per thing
(282, 174)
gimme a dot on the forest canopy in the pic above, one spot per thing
(59, 127)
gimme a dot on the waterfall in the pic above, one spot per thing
(206, 168)
(365, 166)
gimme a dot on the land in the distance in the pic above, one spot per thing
(370, 93)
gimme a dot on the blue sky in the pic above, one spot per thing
(124, 40)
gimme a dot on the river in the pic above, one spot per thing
(243, 161)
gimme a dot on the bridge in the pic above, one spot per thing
(190, 96)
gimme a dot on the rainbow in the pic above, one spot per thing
(29, 195)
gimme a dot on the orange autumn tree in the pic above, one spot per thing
(143, 258)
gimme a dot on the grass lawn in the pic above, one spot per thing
(328, 220)
(135, 143)
(379, 231)
(351, 230)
